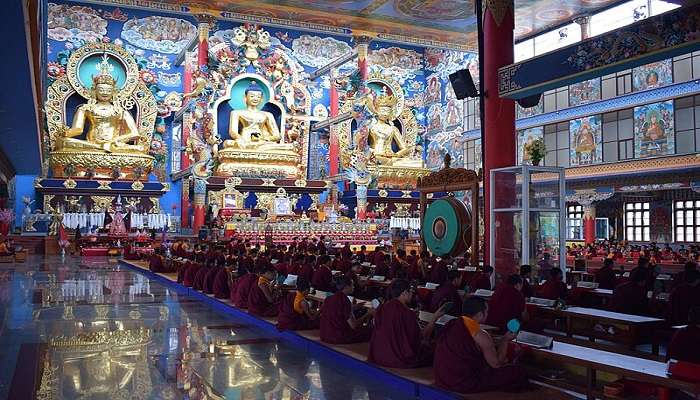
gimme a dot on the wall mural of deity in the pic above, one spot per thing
(653, 130)
(584, 92)
(585, 141)
(651, 76)
(526, 136)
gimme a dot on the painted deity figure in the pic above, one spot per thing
(584, 142)
(252, 128)
(385, 136)
(111, 128)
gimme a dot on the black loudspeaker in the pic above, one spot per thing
(463, 84)
(530, 101)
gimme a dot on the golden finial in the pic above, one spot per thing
(384, 99)
(105, 69)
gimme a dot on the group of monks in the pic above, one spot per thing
(620, 251)
(470, 360)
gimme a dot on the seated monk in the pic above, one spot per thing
(438, 272)
(631, 297)
(482, 280)
(507, 303)
(525, 272)
(296, 313)
(469, 361)
(191, 274)
(684, 298)
(606, 275)
(241, 290)
(553, 288)
(200, 277)
(358, 285)
(130, 253)
(208, 286)
(398, 340)
(263, 299)
(306, 272)
(679, 278)
(155, 262)
(448, 292)
(5, 248)
(220, 287)
(322, 279)
(338, 322)
(684, 344)
(398, 264)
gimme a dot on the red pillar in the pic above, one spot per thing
(199, 211)
(334, 148)
(499, 120)
(589, 224)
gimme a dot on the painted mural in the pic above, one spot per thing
(653, 130)
(585, 141)
(584, 92)
(526, 136)
(521, 112)
(651, 76)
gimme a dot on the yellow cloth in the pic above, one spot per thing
(472, 326)
(264, 281)
(297, 302)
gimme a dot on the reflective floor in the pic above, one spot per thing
(94, 330)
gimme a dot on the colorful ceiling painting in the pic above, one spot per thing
(438, 23)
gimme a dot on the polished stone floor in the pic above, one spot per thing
(91, 329)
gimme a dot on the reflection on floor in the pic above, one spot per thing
(92, 329)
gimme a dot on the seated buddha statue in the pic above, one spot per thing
(254, 129)
(385, 135)
(111, 128)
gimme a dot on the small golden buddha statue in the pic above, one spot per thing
(254, 129)
(111, 127)
(385, 135)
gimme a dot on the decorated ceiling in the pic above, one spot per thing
(440, 23)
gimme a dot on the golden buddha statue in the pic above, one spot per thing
(112, 129)
(255, 143)
(385, 135)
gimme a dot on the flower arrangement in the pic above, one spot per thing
(535, 150)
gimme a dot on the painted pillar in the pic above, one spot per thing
(589, 223)
(186, 123)
(185, 204)
(363, 121)
(334, 148)
(200, 194)
(499, 125)
(585, 23)
(203, 37)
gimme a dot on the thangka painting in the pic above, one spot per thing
(653, 130)
(526, 136)
(584, 92)
(652, 75)
(433, 90)
(586, 141)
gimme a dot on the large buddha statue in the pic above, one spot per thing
(385, 136)
(111, 128)
(254, 129)
(255, 147)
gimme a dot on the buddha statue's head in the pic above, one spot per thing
(253, 95)
(104, 85)
(385, 105)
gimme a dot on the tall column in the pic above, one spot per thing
(200, 194)
(334, 146)
(186, 122)
(589, 223)
(185, 204)
(204, 22)
(499, 123)
(585, 23)
(363, 121)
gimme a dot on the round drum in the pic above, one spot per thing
(446, 227)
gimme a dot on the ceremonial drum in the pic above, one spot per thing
(446, 227)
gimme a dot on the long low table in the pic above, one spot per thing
(594, 360)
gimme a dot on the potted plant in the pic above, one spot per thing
(535, 151)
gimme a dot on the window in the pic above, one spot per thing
(637, 222)
(617, 17)
(557, 38)
(618, 136)
(471, 114)
(472, 154)
(686, 67)
(616, 84)
(687, 125)
(687, 221)
(556, 143)
(557, 99)
(574, 223)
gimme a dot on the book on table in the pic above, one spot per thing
(534, 340)
(291, 280)
(542, 302)
(483, 293)
(587, 285)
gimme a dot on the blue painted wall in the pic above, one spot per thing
(24, 186)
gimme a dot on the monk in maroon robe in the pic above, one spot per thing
(306, 272)
(605, 276)
(482, 280)
(399, 264)
(554, 288)
(155, 262)
(209, 279)
(398, 340)
(631, 297)
(679, 278)
(241, 291)
(338, 322)
(438, 273)
(507, 303)
(684, 344)
(263, 299)
(221, 284)
(190, 273)
(322, 279)
(684, 298)
(200, 277)
(525, 272)
(468, 361)
(448, 292)
(296, 313)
